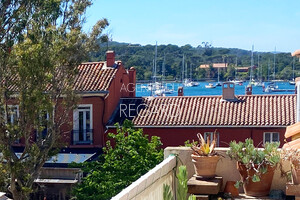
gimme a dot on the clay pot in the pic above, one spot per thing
(257, 189)
(231, 189)
(205, 166)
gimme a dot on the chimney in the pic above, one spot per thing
(110, 58)
(297, 91)
(132, 81)
(249, 90)
(180, 91)
(228, 91)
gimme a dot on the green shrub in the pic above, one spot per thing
(132, 156)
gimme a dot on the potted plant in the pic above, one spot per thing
(204, 157)
(293, 155)
(256, 166)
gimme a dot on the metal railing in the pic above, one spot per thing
(82, 137)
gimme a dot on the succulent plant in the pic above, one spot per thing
(204, 148)
(254, 158)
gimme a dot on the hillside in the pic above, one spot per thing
(142, 57)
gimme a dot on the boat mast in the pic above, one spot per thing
(164, 69)
(218, 75)
(274, 65)
(258, 71)
(268, 69)
(251, 70)
(155, 59)
(152, 81)
(182, 72)
(191, 75)
(235, 70)
(185, 73)
(293, 68)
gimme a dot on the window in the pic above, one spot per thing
(83, 125)
(271, 137)
(43, 125)
(210, 135)
(13, 114)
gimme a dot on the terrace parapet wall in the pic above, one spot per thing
(150, 185)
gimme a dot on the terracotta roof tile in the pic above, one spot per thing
(93, 77)
(253, 110)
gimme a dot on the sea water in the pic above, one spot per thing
(200, 90)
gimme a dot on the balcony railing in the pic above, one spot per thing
(82, 137)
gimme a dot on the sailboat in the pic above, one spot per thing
(272, 87)
(153, 85)
(258, 83)
(193, 83)
(251, 81)
(187, 82)
(162, 90)
(210, 86)
(292, 82)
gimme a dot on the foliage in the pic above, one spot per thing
(204, 148)
(167, 193)
(41, 44)
(182, 183)
(132, 156)
(254, 158)
(182, 188)
(187, 143)
(141, 57)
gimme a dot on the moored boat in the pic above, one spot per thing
(210, 86)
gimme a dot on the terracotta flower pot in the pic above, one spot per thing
(257, 189)
(205, 166)
(231, 189)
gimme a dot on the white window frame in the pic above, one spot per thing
(12, 114)
(211, 135)
(76, 120)
(271, 136)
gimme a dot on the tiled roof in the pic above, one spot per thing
(253, 110)
(220, 65)
(214, 65)
(205, 66)
(93, 76)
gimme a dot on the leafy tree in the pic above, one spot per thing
(208, 51)
(41, 44)
(230, 73)
(142, 56)
(131, 157)
(286, 73)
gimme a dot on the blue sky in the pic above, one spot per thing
(224, 23)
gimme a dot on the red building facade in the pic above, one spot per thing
(100, 85)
